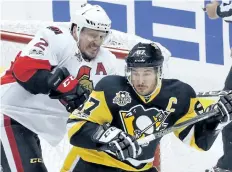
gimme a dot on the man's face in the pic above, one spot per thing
(144, 80)
(90, 42)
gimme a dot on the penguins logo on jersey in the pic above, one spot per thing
(83, 77)
(122, 98)
(141, 122)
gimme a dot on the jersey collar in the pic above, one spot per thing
(147, 99)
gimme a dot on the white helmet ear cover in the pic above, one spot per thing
(92, 17)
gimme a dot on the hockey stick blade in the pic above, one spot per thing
(151, 137)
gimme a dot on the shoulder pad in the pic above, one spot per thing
(110, 83)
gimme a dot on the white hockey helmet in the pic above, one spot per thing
(92, 17)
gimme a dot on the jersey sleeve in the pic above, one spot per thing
(201, 135)
(41, 53)
(43, 46)
(127, 41)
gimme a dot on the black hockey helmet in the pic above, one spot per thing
(145, 55)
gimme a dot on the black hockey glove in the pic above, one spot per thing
(225, 107)
(114, 140)
(66, 88)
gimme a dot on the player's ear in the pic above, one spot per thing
(72, 27)
(74, 31)
(231, 52)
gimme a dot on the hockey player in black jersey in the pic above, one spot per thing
(223, 9)
(121, 109)
(224, 163)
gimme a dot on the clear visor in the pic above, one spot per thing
(92, 35)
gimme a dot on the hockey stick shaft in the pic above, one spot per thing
(199, 94)
(213, 93)
(187, 123)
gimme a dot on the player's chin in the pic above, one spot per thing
(141, 92)
(92, 54)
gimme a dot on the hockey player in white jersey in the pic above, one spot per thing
(49, 78)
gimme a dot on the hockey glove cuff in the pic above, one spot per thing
(225, 107)
(67, 89)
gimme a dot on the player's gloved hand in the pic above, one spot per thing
(66, 88)
(225, 106)
(114, 140)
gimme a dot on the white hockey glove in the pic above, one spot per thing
(225, 107)
(115, 141)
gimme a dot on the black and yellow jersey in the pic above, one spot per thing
(115, 101)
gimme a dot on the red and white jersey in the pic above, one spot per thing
(50, 49)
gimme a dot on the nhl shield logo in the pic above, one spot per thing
(122, 98)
